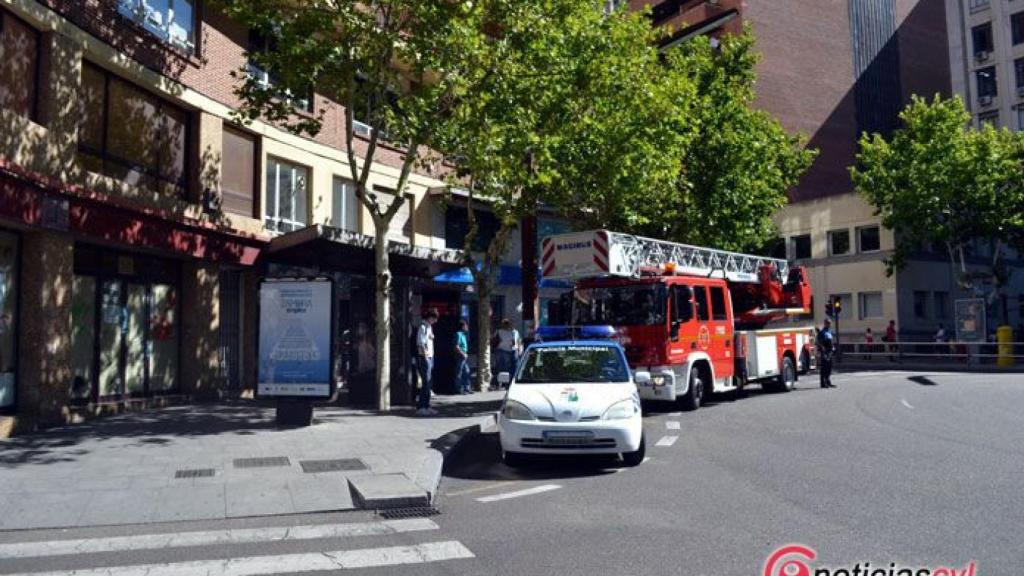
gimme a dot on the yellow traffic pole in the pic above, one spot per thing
(1004, 338)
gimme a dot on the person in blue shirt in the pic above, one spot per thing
(462, 376)
(826, 343)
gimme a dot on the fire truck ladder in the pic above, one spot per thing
(635, 253)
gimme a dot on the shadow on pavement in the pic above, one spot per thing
(923, 380)
(480, 459)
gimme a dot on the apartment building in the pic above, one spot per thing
(986, 54)
(137, 218)
(833, 70)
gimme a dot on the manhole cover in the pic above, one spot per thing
(264, 462)
(194, 473)
(314, 466)
(411, 512)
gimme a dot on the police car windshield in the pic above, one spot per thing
(636, 305)
(572, 363)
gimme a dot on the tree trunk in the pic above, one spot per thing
(483, 332)
(383, 315)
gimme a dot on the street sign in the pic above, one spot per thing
(295, 339)
(970, 320)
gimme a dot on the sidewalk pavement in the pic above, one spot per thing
(229, 459)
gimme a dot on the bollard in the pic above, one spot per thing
(1004, 336)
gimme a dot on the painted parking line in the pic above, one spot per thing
(672, 425)
(288, 563)
(907, 404)
(519, 493)
(211, 538)
(667, 440)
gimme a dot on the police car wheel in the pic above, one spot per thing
(635, 458)
(694, 392)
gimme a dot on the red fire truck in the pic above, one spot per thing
(699, 320)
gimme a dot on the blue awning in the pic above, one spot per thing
(507, 276)
(457, 276)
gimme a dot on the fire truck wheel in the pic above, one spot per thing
(805, 362)
(787, 378)
(694, 392)
(632, 459)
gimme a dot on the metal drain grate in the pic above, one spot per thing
(342, 464)
(263, 462)
(411, 512)
(194, 473)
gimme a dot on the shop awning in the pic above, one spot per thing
(508, 275)
(328, 247)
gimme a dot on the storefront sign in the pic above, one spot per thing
(970, 320)
(295, 348)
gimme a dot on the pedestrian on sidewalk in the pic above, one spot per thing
(890, 339)
(826, 347)
(869, 343)
(462, 384)
(509, 346)
(425, 361)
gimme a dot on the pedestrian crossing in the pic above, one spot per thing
(325, 548)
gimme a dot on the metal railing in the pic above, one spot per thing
(941, 354)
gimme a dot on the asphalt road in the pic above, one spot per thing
(921, 471)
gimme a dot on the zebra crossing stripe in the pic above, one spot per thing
(667, 440)
(211, 538)
(287, 563)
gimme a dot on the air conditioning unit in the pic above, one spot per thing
(985, 100)
(361, 129)
(981, 55)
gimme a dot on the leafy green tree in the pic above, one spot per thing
(384, 60)
(569, 108)
(939, 182)
(737, 164)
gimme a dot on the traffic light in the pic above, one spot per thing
(834, 307)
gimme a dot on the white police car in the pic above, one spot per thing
(572, 397)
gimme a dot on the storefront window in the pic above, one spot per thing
(8, 317)
(83, 334)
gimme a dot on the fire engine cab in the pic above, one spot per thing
(699, 320)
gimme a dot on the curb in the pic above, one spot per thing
(444, 449)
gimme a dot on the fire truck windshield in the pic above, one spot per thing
(632, 305)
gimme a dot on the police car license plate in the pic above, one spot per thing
(568, 438)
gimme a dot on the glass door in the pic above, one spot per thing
(83, 336)
(135, 340)
(111, 382)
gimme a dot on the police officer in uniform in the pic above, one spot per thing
(826, 348)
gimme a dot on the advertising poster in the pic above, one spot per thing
(295, 338)
(970, 320)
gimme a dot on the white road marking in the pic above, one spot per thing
(907, 404)
(288, 563)
(518, 493)
(672, 425)
(667, 440)
(211, 538)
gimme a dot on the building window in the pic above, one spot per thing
(870, 305)
(868, 239)
(1020, 118)
(8, 319)
(987, 85)
(920, 304)
(238, 172)
(941, 304)
(1018, 68)
(266, 80)
(287, 189)
(344, 205)
(456, 227)
(838, 242)
(130, 134)
(982, 39)
(1017, 28)
(19, 66)
(989, 119)
(610, 6)
(173, 21)
(800, 246)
